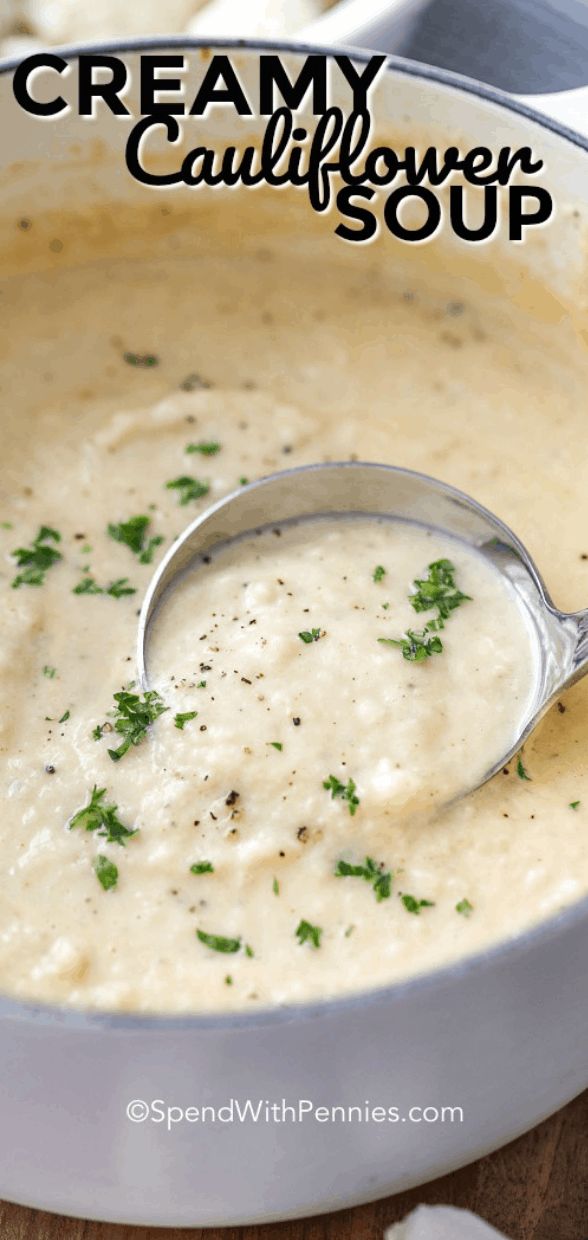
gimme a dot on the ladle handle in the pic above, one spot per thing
(581, 652)
(572, 664)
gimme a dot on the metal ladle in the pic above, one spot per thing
(347, 488)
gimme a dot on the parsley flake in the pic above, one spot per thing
(119, 588)
(188, 488)
(145, 360)
(132, 716)
(415, 646)
(413, 905)
(347, 792)
(87, 586)
(116, 589)
(312, 635)
(373, 873)
(307, 933)
(101, 817)
(49, 672)
(36, 559)
(217, 942)
(106, 872)
(65, 716)
(438, 589)
(465, 908)
(202, 867)
(379, 573)
(133, 533)
(276, 745)
(181, 719)
(575, 804)
(205, 448)
(521, 771)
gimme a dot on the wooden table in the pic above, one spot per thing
(534, 1189)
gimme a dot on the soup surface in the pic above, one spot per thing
(192, 858)
(346, 669)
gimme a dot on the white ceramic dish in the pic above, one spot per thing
(502, 1035)
(362, 22)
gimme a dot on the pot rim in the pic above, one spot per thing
(394, 63)
(418, 984)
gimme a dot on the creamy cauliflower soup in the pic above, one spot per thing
(314, 617)
(267, 822)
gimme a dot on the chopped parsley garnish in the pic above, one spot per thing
(106, 872)
(575, 804)
(276, 745)
(132, 716)
(307, 933)
(205, 448)
(49, 672)
(438, 590)
(373, 873)
(379, 573)
(116, 589)
(188, 488)
(249, 951)
(201, 684)
(36, 559)
(64, 717)
(228, 980)
(202, 867)
(521, 771)
(146, 360)
(217, 942)
(310, 635)
(465, 908)
(87, 586)
(276, 887)
(119, 588)
(133, 533)
(345, 791)
(181, 719)
(415, 646)
(243, 482)
(149, 548)
(98, 731)
(99, 816)
(413, 905)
